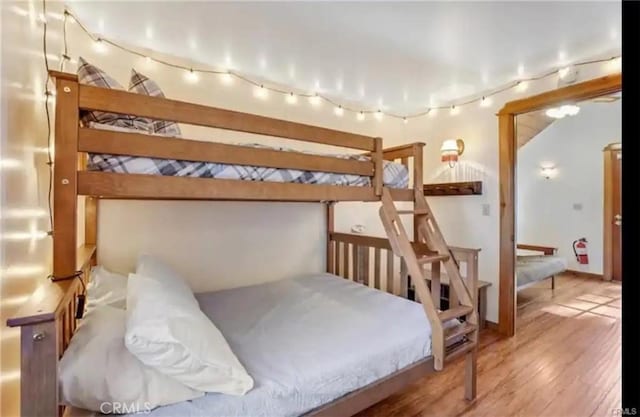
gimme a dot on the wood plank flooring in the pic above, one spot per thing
(564, 361)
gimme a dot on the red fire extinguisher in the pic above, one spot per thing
(580, 250)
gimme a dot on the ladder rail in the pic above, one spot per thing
(427, 231)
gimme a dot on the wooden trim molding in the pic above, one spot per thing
(584, 274)
(507, 176)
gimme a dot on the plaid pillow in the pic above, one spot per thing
(141, 84)
(94, 76)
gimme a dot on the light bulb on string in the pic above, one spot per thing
(432, 112)
(454, 110)
(99, 46)
(563, 72)
(291, 98)
(379, 115)
(226, 78)
(261, 92)
(315, 100)
(405, 120)
(191, 76)
(339, 111)
(522, 86)
(485, 102)
(360, 116)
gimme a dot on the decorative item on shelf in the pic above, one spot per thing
(451, 149)
(454, 188)
(548, 171)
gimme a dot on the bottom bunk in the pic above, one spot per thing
(307, 342)
(318, 345)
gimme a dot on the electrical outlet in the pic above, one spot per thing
(486, 209)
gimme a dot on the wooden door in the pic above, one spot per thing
(613, 212)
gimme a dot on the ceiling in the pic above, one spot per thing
(389, 55)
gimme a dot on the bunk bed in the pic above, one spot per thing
(48, 319)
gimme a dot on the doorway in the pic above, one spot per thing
(507, 178)
(612, 262)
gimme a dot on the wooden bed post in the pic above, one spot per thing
(65, 194)
(418, 182)
(39, 369)
(378, 166)
(330, 228)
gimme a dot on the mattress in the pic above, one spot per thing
(395, 175)
(533, 268)
(308, 341)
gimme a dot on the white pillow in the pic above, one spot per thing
(153, 268)
(106, 288)
(166, 331)
(97, 369)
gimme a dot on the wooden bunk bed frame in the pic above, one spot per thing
(47, 320)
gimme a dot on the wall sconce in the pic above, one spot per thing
(451, 149)
(548, 171)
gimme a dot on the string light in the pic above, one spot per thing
(485, 102)
(99, 46)
(522, 86)
(292, 98)
(191, 76)
(261, 92)
(339, 111)
(405, 120)
(454, 110)
(316, 99)
(226, 78)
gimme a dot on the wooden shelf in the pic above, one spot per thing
(454, 188)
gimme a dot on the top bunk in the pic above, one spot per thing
(76, 144)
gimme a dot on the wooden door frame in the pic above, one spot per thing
(507, 176)
(607, 264)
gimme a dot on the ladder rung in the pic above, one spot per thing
(420, 212)
(459, 349)
(461, 329)
(454, 313)
(431, 259)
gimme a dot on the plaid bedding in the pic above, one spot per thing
(395, 175)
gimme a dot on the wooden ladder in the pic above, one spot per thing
(447, 341)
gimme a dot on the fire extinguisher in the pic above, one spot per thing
(580, 250)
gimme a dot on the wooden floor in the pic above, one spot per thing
(564, 361)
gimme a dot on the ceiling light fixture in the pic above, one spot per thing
(562, 111)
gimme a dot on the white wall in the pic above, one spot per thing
(546, 212)
(25, 250)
